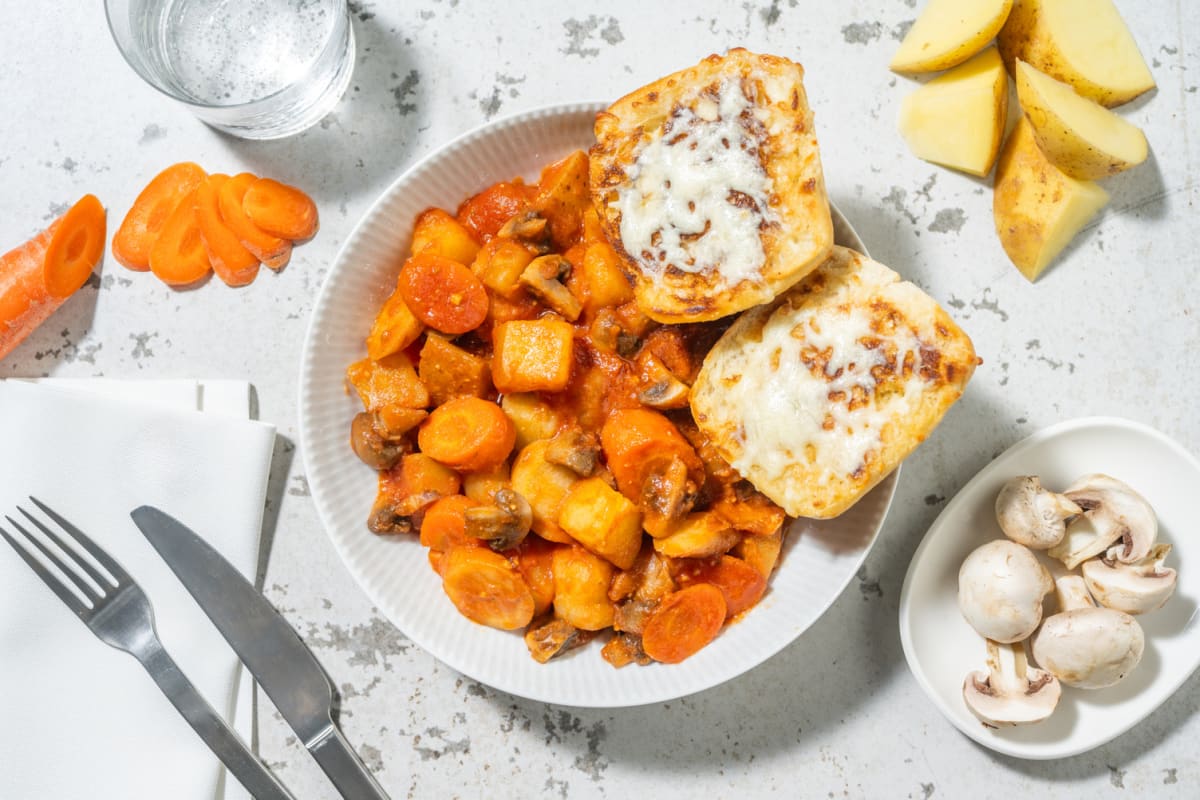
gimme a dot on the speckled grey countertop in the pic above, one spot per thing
(1111, 330)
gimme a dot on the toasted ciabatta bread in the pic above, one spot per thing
(708, 183)
(817, 396)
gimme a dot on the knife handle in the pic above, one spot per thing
(345, 769)
(220, 738)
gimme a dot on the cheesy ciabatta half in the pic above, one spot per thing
(708, 183)
(817, 396)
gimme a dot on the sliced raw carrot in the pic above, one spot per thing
(468, 434)
(281, 210)
(445, 523)
(269, 249)
(232, 262)
(684, 623)
(741, 584)
(444, 294)
(486, 588)
(178, 257)
(37, 277)
(133, 241)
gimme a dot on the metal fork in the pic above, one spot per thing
(119, 613)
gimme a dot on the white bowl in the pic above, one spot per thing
(819, 560)
(942, 648)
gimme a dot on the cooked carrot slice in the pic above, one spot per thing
(486, 588)
(535, 560)
(133, 241)
(281, 210)
(684, 623)
(468, 434)
(741, 584)
(232, 262)
(178, 257)
(637, 442)
(445, 523)
(484, 214)
(269, 249)
(444, 294)
(37, 277)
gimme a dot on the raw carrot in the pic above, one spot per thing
(281, 210)
(133, 241)
(468, 434)
(444, 294)
(445, 523)
(638, 442)
(37, 277)
(684, 623)
(232, 262)
(741, 584)
(178, 257)
(487, 588)
(269, 249)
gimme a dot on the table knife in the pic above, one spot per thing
(269, 647)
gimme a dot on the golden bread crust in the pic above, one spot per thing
(768, 141)
(819, 395)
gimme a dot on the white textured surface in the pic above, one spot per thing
(1110, 330)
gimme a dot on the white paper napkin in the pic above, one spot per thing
(81, 719)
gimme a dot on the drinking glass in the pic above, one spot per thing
(258, 69)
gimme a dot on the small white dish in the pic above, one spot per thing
(819, 560)
(942, 648)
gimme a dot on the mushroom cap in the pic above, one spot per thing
(1114, 515)
(1132, 588)
(1089, 648)
(1000, 589)
(1001, 710)
(1032, 515)
(1010, 692)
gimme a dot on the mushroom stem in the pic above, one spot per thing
(1072, 593)
(1010, 692)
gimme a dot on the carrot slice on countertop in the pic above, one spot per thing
(232, 262)
(178, 257)
(468, 434)
(279, 209)
(444, 294)
(37, 277)
(684, 623)
(133, 241)
(269, 249)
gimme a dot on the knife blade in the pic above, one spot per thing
(269, 647)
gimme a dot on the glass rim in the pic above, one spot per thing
(192, 102)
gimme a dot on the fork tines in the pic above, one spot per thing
(68, 561)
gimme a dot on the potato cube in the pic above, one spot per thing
(607, 285)
(439, 233)
(532, 418)
(449, 372)
(698, 535)
(563, 197)
(395, 328)
(603, 520)
(390, 381)
(581, 588)
(499, 265)
(532, 355)
(761, 552)
(543, 485)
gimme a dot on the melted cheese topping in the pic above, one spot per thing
(697, 194)
(821, 378)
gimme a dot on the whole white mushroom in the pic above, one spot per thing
(1086, 646)
(1000, 589)
(1031, 514)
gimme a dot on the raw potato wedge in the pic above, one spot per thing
(1079, 136)
(948, 32)
(1037, 207)
(1084, 43)
(957, 119)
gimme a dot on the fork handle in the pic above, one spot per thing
(220, 738)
